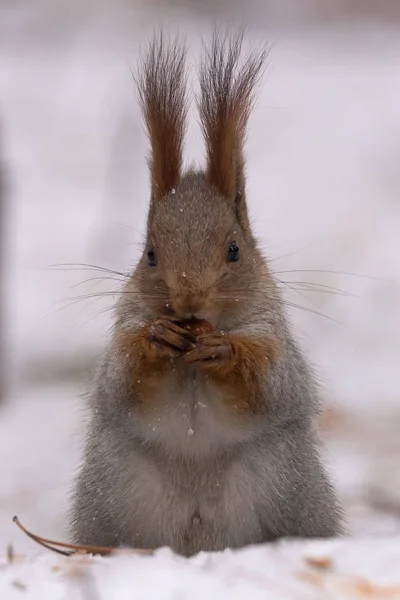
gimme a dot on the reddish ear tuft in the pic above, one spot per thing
(161, 82)
(226, 100)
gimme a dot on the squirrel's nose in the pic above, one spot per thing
(186, 306)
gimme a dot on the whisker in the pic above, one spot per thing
(331, 272)
(301, 285)
(75, 301)
(315, 312)
(318, 291)
(113, 293)
(141, 233)
(86, 267)
(98, 279)
(283, 302)
(270, 260)
(319, 287)
(106, 309)
(65, 307)
(298, 292)
(98, 314)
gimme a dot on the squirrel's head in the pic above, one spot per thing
(200, 258)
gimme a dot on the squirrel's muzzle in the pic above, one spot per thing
(189, 305)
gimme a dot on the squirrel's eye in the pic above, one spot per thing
(233, 252)
(151, 257)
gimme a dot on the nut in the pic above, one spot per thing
(198, 326)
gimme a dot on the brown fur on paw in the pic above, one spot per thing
(237, 364)
(169, 337)
(212, 347)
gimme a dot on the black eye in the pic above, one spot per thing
(151, 257)
(233, 252)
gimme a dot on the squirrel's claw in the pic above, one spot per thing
(210, 348)
(167, 333)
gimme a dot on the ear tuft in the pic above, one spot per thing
(226, 100)
(161, 82)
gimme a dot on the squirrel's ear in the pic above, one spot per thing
(161, 83)
(225, 103)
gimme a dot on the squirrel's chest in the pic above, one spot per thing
(190, 416)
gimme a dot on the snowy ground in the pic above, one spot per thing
(324, 191)
(284, 571)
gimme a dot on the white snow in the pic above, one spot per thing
(284, 571)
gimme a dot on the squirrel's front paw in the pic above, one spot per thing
(169, 337)
(212, 350)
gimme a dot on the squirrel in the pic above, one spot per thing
(203, 414)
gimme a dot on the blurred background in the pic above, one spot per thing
(324, 191)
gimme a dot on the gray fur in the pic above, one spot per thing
(146, 481)
(188, 474)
